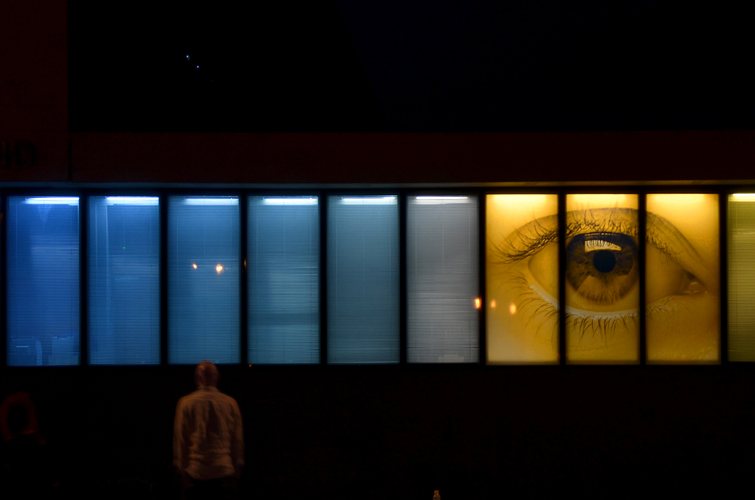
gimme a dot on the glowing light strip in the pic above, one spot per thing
(132, 200)
(293, 200)
(53, 200)
(743, 196)
(211, 201)
(370, 200)
(441, 200)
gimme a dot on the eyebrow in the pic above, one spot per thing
(532, 237)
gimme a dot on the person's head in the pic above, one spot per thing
(206, 374)
(17, 416)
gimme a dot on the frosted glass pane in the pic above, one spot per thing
(682, 284)
(43, 281)
(741, 274)
(602, 279)
(522, 278)
(124, 280)
(203, 280)
(363, 279)
(442, 279)
(284, 280)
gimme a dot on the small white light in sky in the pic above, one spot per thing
(197, 66)
(188, 58)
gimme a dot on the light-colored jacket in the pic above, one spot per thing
(208, 435)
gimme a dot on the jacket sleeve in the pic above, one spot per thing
(237, 441)
(180, 448)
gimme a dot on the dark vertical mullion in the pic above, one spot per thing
(243, 279)
(482, 204)
(83, 284)
(403, 327)
(163, 278)
(4, 282)
(642, 243)
(322, 206)
(723, 207)
(562, 277)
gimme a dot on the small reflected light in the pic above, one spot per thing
(53, 200)
(132, 200)
(370, 200)
(298, 200)
(477, 303)
(744, 196)
(219, 268)
(492, 304)
(441, 200)
(512, 309)
(194, 266)
(212, 201)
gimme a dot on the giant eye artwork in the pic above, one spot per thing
(682, 288)
(602, 278)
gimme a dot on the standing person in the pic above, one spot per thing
(208, 439)
(25, 465)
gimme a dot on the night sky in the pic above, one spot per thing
(419, 66)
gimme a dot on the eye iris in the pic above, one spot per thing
(602, 267)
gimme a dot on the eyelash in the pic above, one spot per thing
(508, 254)
(532, 304)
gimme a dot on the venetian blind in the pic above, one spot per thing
(284, 279)
(363, 279)
(124, 280)
(203, 279)
(442, 279)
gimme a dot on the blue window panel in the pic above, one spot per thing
(124, 280)
(363, 279)
(203, 280)
(43, 281)
(284, 280)
(442, 279)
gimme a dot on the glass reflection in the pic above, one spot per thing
(682, 286)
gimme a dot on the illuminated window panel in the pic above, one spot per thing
(522, 278)
(602, 279)
(682, 282)
(203, 280)
(124, 280)
(741, 276)
(43, 281)
(442, 279)
(363, 279)
(284, 280)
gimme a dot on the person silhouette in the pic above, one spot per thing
(208, 439)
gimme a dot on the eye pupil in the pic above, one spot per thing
(604, 261)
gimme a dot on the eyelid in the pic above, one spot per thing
(667, 238)
(533, 236)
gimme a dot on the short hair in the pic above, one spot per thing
(206, 373)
